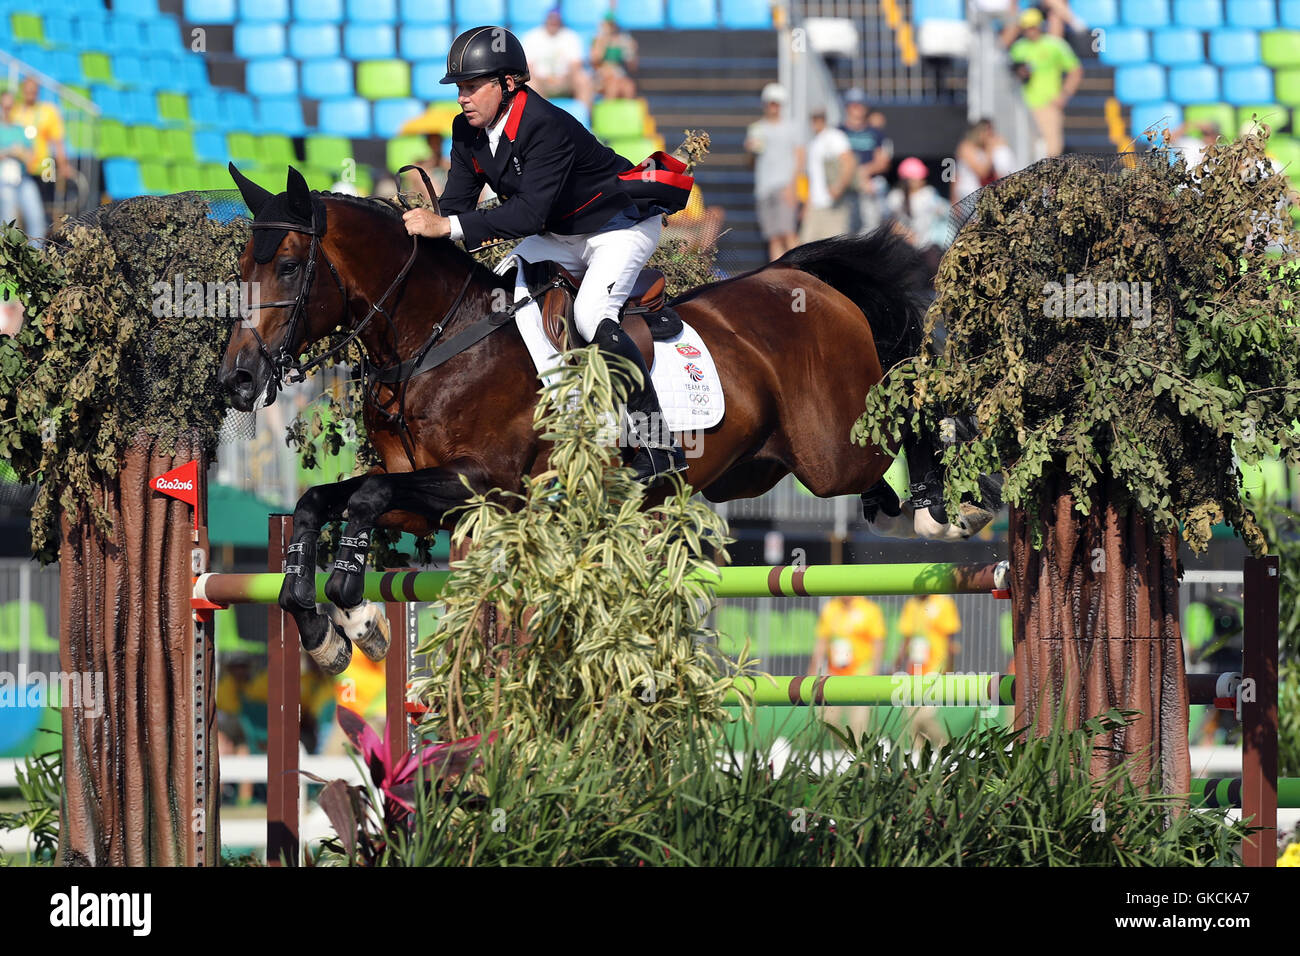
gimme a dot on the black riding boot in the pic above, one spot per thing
(658, 452)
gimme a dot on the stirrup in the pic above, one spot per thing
(652, 462)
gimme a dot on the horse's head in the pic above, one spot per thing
(299, 295)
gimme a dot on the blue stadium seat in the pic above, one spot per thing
(271, 77)
(641, 14)
(1159, 115)
(922, 10)
(1193, 84)
(372, 11)
(110, 101)
(318, 11)
(276, 11)
(425, 12)
(237, 111)
(58, 29)
(122, 178)
(1144, 13)
(90, 31)
(1290, 14)
(1234, 47)
(575, 108)
(526, 14)
(425, 77)
(210, 146)
(210, 11)
(128, 68)
(64, 65)
(194, 72)
(1260, 14)
(1097, 13)
(327, 79)
(1140, 83)
(1247, 85)
(349, 116)
(391, 114)
(425, 42)
(162, 33)
(369, 41)
(205, 110)
(757, 14)
(281, 114)
(140, 106)
(124, 36)
(472, 13)
(1125, 45)
(138, 9)
(1201, 14)
(691, 14)
(1174, 46)
(313, 41)
(256, 40)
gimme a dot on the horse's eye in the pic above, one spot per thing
(288, 268)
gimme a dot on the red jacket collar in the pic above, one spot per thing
(516, 111)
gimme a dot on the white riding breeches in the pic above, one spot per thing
(607, 263)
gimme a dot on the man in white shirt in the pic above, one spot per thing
(771, 144)
(831, 166)
(555, 60)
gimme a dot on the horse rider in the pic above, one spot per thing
(560, 193)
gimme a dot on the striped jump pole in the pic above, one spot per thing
(843, 580)
(1227, 792)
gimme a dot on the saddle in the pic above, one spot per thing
(645, 316)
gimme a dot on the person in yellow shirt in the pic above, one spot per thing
(44, 125)
(928, 624)
(850, 643)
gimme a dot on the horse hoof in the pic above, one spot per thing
(331, 651)
(895, 526)
(366, 627)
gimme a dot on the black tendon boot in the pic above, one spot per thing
(658, 452)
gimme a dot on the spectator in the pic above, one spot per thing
(47, 123)
(1056, 14)
(850, 643)
(613, 57)
(929, 626)
(873, 154)
(19, 193)
(983, 157)
(1193, 139)
(771, 142)
(555, 60)
(830, 166)
(1051, 74)
(920, 212)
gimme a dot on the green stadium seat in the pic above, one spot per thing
(1286, 150)
(26, 28)
(157, 177)
(1280, 48)
(1270, 114)
(327, 152)
(80, 135)
(186, 176)
(173, 107)
(618, 119)
(1286, 87)
(405, 149)
(96, 68)
(39, 640)
(177, 145)
(320, 178)
(1220, 114)
(275, 149)
(636, 149)
(111, 139)
(146, 143)
(383, 79)
(242, 147)
(214, 176)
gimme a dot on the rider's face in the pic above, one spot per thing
(479, 100)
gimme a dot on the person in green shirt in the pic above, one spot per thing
(1051, 74)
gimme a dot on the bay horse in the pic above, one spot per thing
(797, 346)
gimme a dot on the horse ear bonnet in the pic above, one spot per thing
(295, 205)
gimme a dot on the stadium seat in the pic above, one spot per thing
(173, 107)
(1234, 47)
(271, 77)
(425, 77)
(138, 106)
(210, 146)
(636, 149)
(349, 116)
(1176, 46)
(186, 176)
(1144, 13)
(369, 41)
(128, 69)
(1288, 87)
(91, 31)
(391, 114)
(1097, 13)
(109, 99)
(313, 41)
(111, 139)
(1247, 84)
(274, 150)
(426, 12)
(237, 111)
(256, 40)
(1289, 14)
(1220, 114)
(690, 15)
(641, 14)
(1280, 48)
(1259, 14)
(162, 33)
(194, 72)
(372, 11)
(1193, 84)
(1125, 45)
(618, 119)
(276, 11)
(327, 79)
(215, 175)
(205, 110)
(383, 79)
(58, 29)
(326, 152)
(1142, 83)
(318, 11)
(575, 108)
(921, 10)
(526, 14)
(157, 178)
(1161, 115)
(177, 144)
(1286, 150)
(242, 147)
(281, 114)
(138, 9)
(122, 178)
(425, 42)
(757, 14)
(124, 36)
(210, 11)
(1272, 115)
(144, 141)
(403, 150)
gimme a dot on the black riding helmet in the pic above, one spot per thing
(485, 51)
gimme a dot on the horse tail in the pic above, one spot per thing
(884, 277)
